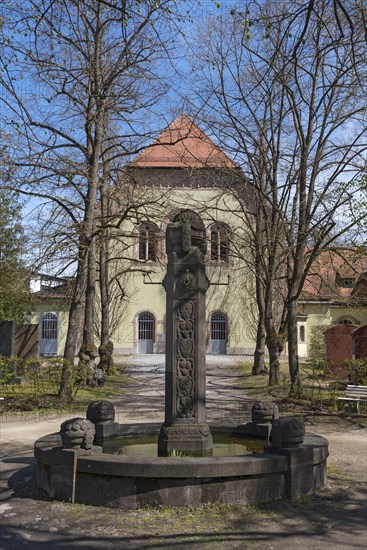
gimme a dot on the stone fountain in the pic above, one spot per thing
(71, 467)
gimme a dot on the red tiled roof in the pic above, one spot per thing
(329, 270)
(183, 145)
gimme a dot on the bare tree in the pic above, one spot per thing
(123, 203)
(70, 72)
(296, 123)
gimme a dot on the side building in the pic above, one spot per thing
(334, 293)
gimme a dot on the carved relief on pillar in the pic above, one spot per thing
(188, 280)
(185, 358)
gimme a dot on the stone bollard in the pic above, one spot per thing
(77, 433)
(101, 411)
(59, 479)
(102, 414)
(288, 431)
(287, 437)
(264, 411)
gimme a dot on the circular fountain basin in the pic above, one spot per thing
(130, 482)
(147, 446)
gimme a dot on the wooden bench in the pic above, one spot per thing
(354, 395)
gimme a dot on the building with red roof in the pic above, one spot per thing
(335, 292)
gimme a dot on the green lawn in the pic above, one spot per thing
(34, 385)
(318, 392)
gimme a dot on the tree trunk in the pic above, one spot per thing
(95, 130)
(76, 313)
(88, 352)
(105, 349)
(275, 344)
(259, 355)
(293, 360)
(272, 342)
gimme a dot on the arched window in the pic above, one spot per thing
(148, 242)
(346, 320)
(302, 333)
(49, 326)
(49, 334)
(218, 333)
(219, 242)
(146, 330)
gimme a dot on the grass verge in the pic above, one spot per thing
(318, 393)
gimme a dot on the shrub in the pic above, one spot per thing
(316, 347)
(11, 371)
(357, 371)
(31, 383)
(317, 364)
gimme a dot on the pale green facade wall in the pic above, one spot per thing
(234, 298)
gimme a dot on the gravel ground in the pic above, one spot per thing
(334, 518)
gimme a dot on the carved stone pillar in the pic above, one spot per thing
(185, 428)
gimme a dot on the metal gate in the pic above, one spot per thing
(218, 334)
(145, 333)
(49, 334)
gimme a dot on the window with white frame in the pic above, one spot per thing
(49, 326)
(218, 326)
(146, 326)
(219, 242)
(148, 242)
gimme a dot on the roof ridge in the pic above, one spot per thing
(183, 144)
